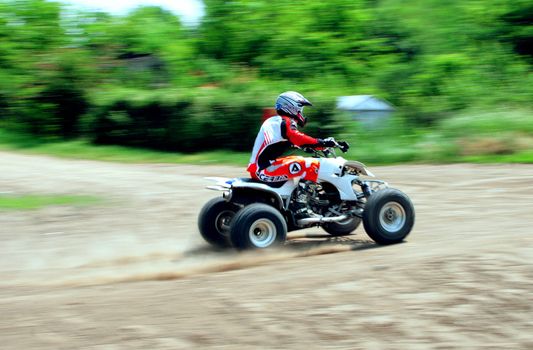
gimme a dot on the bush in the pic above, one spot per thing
(176, 120)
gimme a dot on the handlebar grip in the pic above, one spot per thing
(343, 146)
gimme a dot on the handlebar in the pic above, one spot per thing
(327, 151)
(343, 146)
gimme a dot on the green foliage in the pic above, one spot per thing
(30, 202)
(83, 149)
(176, 120)
(489, 123)
(499, 136)
(145, 80)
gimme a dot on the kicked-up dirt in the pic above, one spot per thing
(132, 272)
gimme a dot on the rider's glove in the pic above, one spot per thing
(327, 142)
(344, 146)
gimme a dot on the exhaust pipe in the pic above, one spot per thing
(321, 220)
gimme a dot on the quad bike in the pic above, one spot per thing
(252, 214)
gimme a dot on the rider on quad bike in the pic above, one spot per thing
(291, 193)
(279, 133)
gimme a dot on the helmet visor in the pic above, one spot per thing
(300, 118)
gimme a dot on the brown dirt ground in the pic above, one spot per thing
(133, 272)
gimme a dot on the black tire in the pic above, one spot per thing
(214, 221)
(342, 228)
(258, 226)
(389, 216)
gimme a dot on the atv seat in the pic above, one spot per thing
(277, 184)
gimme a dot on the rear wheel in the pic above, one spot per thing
(389, 216)
(214, 221)
(342, 228)
(258, 226)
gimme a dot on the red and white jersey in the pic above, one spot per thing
(276, 135)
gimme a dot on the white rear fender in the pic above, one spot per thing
(236, 186)
(281, 195)
(284, 191)
(221, 183)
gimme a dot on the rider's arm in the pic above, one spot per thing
(290, 131)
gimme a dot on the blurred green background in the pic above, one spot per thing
(458, 73)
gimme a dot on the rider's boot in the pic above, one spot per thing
(300, 206)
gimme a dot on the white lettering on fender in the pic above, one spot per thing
(267, 178)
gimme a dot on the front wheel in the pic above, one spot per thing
(389, 216)
(258, 226)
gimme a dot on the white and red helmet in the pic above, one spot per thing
(291, 104)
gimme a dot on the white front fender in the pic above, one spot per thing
(360, 167)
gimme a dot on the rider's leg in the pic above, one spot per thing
(289, 167)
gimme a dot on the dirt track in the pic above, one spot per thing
(133, 273)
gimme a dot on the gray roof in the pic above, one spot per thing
(363, 103)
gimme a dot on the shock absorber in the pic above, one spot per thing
(366, 189)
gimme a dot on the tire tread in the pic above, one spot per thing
(239, 233)
(371, 215)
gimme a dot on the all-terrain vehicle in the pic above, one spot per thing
(253, 214)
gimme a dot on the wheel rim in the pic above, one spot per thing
(262, 233)
(392, 217)
(223, 221)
